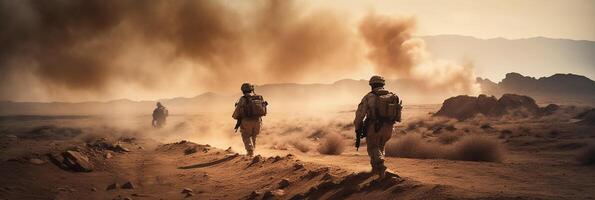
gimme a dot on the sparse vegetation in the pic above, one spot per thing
(477, 148)
(411, 146)
(301, 146)
(470, 148)
(331, 144)
(448, 138)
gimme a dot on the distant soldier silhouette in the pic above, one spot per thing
(248, 112)
(159, 115)
(378, 111)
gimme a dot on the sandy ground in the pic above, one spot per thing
(538, 161)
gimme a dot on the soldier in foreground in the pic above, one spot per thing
(159, 115)
(248, 112)
(378, 111)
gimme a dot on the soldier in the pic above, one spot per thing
(248, 112)
(159, 115)
(381, 109)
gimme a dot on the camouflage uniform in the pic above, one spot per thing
(249, 128)
(375, 139)
(159, 115)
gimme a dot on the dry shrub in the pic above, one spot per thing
(301, 146)
(470, 148)
(587, 155)
(449, 138)
(331, 144)
(411, 146)
(477, 148)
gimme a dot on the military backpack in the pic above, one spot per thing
(388, 107)
(255, 106)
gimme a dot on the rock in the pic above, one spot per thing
(77, 161)
(284, 183)
(112, 186)
(190, 150)
(229, 150)
(128, 185)
(273, 194)
(120, 148)
(93, 189)
(298, 166)
(256, 159)
(277, 158)
(189, 194)
(463, 107)
(108, 155)
(36, 161)
(186, 190)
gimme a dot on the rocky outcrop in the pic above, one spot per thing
(464, 107)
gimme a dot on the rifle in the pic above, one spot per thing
(360, 132)
(238, 123)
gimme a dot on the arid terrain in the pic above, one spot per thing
(301, 156)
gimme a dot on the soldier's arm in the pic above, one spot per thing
(237, 111)
(361, 111)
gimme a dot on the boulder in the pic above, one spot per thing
(460, 107)
(463, 107)
(77, 161)
(510, 102)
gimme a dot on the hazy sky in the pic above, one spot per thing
(570, 19)
(70, 50)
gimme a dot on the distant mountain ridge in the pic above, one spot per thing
(537, 56)
(558, 88)
(342, 94)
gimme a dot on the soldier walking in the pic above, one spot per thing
(248, 112)
(381, 109)
(159, 115)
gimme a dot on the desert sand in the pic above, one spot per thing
(200, 157)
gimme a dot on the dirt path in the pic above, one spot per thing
(551, 181)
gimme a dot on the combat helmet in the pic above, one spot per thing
(247, 88)
(376, 80)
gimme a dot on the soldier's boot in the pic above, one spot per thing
(381, 171)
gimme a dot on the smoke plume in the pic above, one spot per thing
(396, 54)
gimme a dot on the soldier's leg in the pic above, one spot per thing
(246, 130)
(384, 135)
(255, 132)
(372, 141)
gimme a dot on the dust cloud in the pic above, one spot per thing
(397, 54)
(101, 50)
